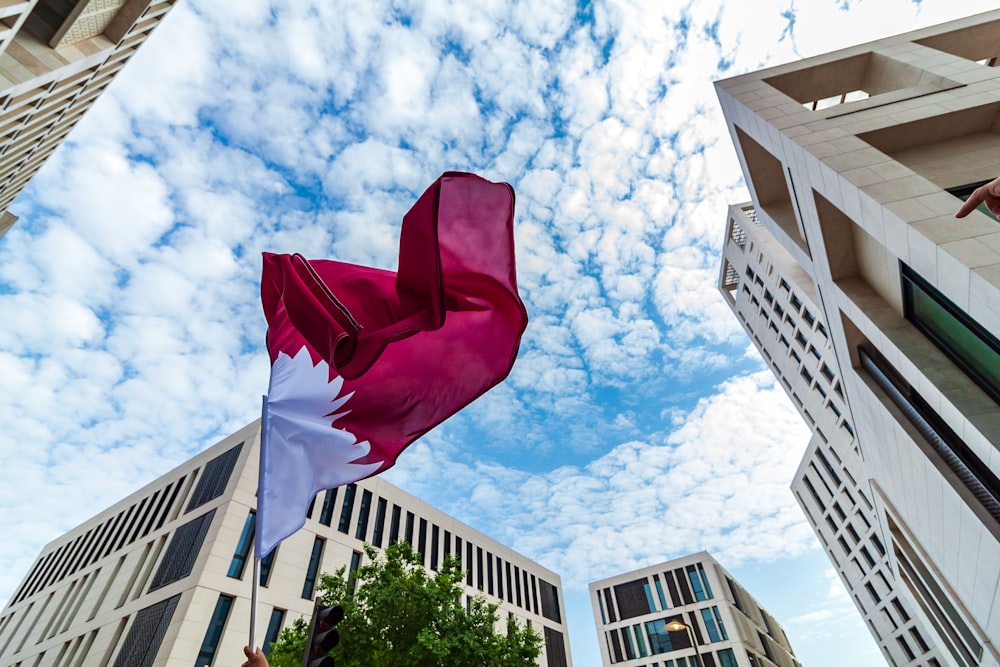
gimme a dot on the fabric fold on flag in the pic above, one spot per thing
(364, 361)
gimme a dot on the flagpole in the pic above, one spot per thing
(255, 586)
(253, 601)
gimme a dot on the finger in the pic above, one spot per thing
(978, 196)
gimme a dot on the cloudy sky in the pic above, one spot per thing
(631, 429)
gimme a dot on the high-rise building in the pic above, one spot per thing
(879, 312)
(56, 56)
(684, 612)
(164, 576)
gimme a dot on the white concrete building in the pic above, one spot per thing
(879, 312)
(636, 614)
(162, 577)
(56, 57)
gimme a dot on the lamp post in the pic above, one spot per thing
(675, 625)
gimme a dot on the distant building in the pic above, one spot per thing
(56, 57)
(730, 629)
(164, 576)
(879, 312)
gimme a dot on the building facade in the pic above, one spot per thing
(879, 312)
(164, 577)
(55, 59)
(634, 612)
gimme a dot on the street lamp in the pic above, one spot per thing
(675, 625)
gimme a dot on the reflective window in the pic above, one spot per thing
(215, 627)
(345, 513)
(273, 628)
(239, 561)
(266, 564)
(313, 570)
(970, 346)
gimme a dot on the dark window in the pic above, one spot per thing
(458, 550)
(215, 627)
(182, 551)
(422, 540)
(447, 543)
(326, 513)
(408, 534)
(963, 340)
(394, 525)
(355, 564)
(266, 565)
(616, 645)
(313, 570)
(146, 634)
(672, 589)
(517, 589)
(435, 536)
(489, 573)
(239, 561)
(468, 564)
(555, 648)
(479, 568)
(632, 600)
(510, 592)
(499, 578)
(366, 503)
(379, 522)
(345, 513)
(682, 585)
(312, 506)
(214, 478)
(273, 628)
(550, 601)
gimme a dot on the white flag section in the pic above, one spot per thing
(302, 452)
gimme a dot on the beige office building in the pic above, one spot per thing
(879, 312)
(56, 56)
(163, 577)
(721, 625)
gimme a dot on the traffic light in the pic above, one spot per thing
(322, 636)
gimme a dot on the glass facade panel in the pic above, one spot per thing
(345, 513)
(362, 528)
(266, 563)
(713, 631)
(727, 658)
(215, 627)
(273, 628)
(239, 561)
(659, 637)
(973, 349)
(326, 513)
(313, 570)
(659, 593)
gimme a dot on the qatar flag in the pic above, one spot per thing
(365, 361)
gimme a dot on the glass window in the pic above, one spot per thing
(659, 637)
(239, 561)
(963, 340)
(326, 512)
(345, 512)
(379, 522)
(659, 592)
(727, 658)
(422, 541)
(796, 302)
(718, 621)
(408, 530)
(273, 628)
(435, 536)
(313, 570)
(394, 525)
(709, 619)
(640, 643)
(366, 503)
(266, 565)
(215, 627)
(699, 590)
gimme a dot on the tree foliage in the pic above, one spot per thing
(397, 615)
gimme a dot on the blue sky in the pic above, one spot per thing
(632, 428)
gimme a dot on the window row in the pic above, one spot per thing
(684, 585)
(642, 640)
(134, 523)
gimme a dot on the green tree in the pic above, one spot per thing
(397, 615)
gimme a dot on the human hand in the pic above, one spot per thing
(254, 657)
(988, 194)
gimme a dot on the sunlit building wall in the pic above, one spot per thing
(56, 57)
(164, 576)
(879, 312)
(728, 626)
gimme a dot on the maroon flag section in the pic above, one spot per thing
(365, 361)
